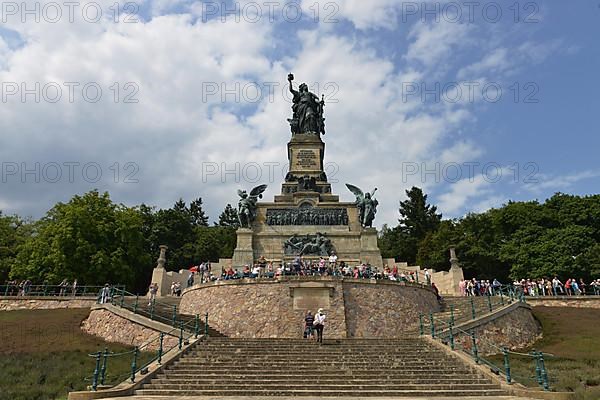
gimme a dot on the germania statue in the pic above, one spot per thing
(307, 110)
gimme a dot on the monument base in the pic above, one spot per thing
(243, 253)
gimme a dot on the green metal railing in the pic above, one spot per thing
(158, 311)
(467, 341)
(53, 290)
(464, 309)
(141, 356)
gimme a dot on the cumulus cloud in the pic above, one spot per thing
(433, 44)
(194, 132)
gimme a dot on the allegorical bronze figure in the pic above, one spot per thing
(247, 205)
(307, 110)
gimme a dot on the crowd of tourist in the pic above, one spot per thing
(532, 287)
(24, 288)
(321, 267)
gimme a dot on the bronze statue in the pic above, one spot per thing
(247, 205)
(367, 205)
(308, 245)
(307, 110)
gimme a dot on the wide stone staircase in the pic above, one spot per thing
(296, 367)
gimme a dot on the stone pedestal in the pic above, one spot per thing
(369, 251)
(244, 252)
(309, 211)
(456, 272)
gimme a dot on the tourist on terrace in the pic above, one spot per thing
(152, 290)
(582, 286)
(333, 260)
(319, 325)
(105, 294)
(575, 286)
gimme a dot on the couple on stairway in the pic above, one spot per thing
(312, 323)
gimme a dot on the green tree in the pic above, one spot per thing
(89, 238)
(417, 219)
(229, 217)
(214, 242)
(199, 218)
(13, 233)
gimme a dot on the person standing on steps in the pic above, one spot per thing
(319, 324)
(308, 326)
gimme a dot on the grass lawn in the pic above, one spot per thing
(572, 336)
(44, 354)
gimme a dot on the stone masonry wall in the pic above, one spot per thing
(116, 329)
(24, 303)
(265, 309)
(258, 310)
(515, 330)
(574, 302)
(385, 310)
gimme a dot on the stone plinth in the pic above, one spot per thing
(352, 243)
(244, 253)
(257, 308)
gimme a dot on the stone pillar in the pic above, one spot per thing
(369, 251)
(453, 258)
(162, 258)
(456, 272)
(159, 275)
(244, 252)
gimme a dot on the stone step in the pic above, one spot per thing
(324, 393)
(295, 353)
(296, 367)
(311, 361)
(315, 346)
(262, 370)
(229, 385)
(315, 379)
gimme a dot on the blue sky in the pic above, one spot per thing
(190, 70)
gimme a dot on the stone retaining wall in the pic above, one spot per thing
(44, 303)
(114, 328)
(270, 308)
(574, 302)
(384, 310)
(514, 327)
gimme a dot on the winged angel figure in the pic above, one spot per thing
(247, 205)
(367, 205)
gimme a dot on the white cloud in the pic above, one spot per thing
(434, 44)
(559, 182)
(363, 14)
(175, 128)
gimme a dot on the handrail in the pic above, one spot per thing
(61, 291)
(155, 309)
(183, 332)
(448, 333)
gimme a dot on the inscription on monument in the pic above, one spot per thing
(311, 299)
(307, 159)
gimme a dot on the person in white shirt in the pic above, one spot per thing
(319, 324)
(332, 260)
